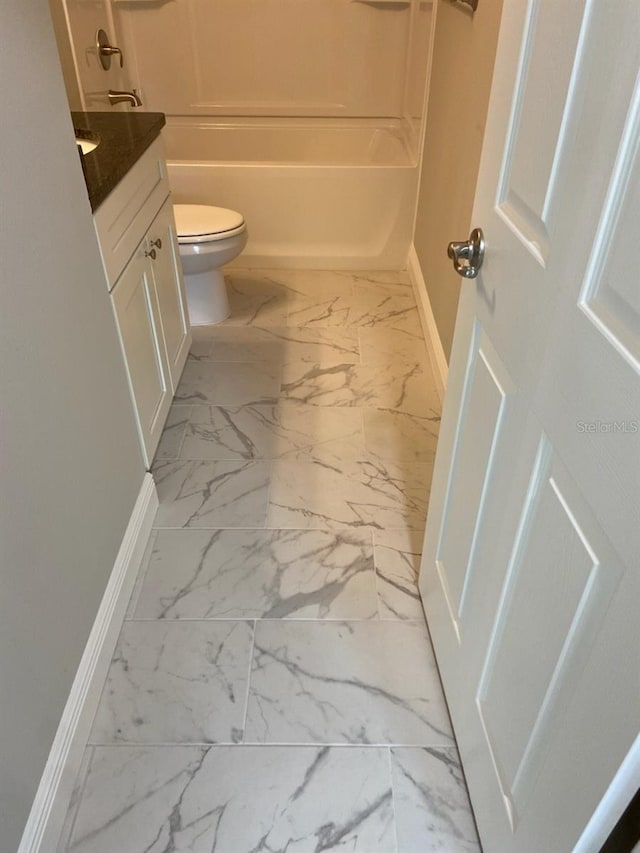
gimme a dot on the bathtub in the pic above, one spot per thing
(316, 193)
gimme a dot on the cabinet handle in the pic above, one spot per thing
(151, 254)
(157, 243)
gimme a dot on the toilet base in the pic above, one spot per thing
(207, 298)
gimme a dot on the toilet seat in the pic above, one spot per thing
(202, 223)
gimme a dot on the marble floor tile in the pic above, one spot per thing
(397, 556)
(280, 344)
(299, 452)
(345, 682)
(328, 298)
(324, 309)
(381, 305)
(173, 433)
(312, 284)
(399, 437)
(229, 384)
(274, 432)
(316, 299)
(211, 493)
(256, 299)
(384, 345)
(272, 574)
(201, 340)
(431, 802)
(385, 277)
(397, 385)
(236, 800)
(176, 682)
(349, 494)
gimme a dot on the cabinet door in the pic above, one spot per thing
(167, 272)
(136, 310)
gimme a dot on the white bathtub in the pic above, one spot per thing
(321, 193)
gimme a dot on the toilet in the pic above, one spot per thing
(208, 238)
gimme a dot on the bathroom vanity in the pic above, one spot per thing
(126, 178)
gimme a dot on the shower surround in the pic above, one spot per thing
(306, 116)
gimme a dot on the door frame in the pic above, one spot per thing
(612, 806)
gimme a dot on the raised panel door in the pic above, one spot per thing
(530, 571)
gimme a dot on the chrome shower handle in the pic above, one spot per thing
(110, 50)
(472, 3)
(106, 50)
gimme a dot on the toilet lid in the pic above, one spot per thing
(197, 223)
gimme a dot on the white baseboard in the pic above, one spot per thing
(434, 344)
(52, 798)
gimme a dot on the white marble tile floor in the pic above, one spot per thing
(274, 687)
(369, 682)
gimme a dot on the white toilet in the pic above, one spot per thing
(208, 237)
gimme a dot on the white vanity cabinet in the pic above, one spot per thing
(139, 326)
(138, 242)
(167, 275)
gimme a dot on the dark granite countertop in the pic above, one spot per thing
(124, 137)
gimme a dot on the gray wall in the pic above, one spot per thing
(463, 58)
(70, 464)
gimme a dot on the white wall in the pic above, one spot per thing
(70, 465)
(463, 57)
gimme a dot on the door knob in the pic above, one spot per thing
(151, 253)
(467, 257)
(157, 243)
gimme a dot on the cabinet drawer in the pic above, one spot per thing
(123, 218)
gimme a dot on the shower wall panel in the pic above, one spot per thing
(269, 57)
(418, 68)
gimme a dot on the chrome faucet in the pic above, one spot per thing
(117, 97)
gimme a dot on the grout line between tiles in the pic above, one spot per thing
(68, 828)
(330, 620)
(450, 744)
(142, 573)
(184, 432)
(248, 693)
(364, 528)
(393, 799)
(269, 489)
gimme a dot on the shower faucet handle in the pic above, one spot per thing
(106, 50)
(110, 50)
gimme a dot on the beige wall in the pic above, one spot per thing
(70, 464)
(463, 56)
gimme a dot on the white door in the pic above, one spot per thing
(531, 568)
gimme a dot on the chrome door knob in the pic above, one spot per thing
(467, 257)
